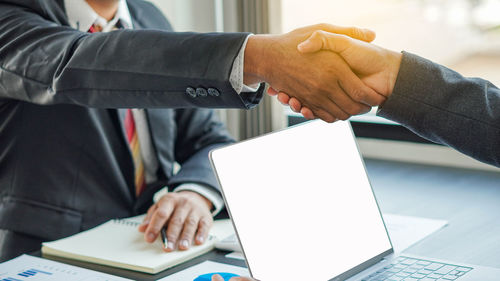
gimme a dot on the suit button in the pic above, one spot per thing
(191, 92)
(213, 92)
(201, 92)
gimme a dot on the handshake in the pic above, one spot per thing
(323, 71)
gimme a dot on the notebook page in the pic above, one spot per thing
(118, 243)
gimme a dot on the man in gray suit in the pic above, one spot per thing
(433, 101)
(92, 122)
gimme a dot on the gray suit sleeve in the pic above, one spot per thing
(45, 63)
(441, 105)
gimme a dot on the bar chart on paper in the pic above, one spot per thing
(29, 273)
(31, 268)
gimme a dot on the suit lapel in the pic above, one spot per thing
(162, 128)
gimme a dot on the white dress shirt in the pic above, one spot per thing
(81, 17)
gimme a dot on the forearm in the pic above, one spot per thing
(126, 68)
(447, 108)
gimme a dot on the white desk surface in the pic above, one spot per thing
(468, 199)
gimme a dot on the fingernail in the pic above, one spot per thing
(151, 236)
(185, 243)
(201, 239)
(170, 246)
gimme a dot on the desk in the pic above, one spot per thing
(469, 200)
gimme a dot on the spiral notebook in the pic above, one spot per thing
(117, 243)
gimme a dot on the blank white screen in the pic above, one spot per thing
(301, 202)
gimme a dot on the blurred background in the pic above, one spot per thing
(461, 34)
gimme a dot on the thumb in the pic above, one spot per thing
(321, 40)
(217, 277)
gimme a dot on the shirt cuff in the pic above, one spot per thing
(236, 76)
(205, 191)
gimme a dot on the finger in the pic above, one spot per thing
(188, 231)
(160, 216)
(338, 104)
(359, 92)
(328, 117)
(176, 224)
(271, 91)
(203, 228)
(307, 113)
(321, 40)
(295, 104)
(145, 222)
(217, 277)
(358, 97)
(326, 108)
(283, 98)
(363, 34)
(331, 102)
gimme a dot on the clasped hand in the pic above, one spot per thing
(348, 77)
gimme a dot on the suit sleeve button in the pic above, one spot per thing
(201, 92)
(213, 92)
(191, 92)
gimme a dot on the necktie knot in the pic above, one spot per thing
(95, 28)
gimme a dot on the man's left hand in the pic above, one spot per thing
(186, 217)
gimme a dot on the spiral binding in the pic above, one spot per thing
(126, 222)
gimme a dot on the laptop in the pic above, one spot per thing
(303, 209)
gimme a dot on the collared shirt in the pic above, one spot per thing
(81, 17)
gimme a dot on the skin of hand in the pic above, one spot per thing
(217, 277)
(322, 80)
(186, 216)
(377, 67)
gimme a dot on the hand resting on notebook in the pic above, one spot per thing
(186, 216)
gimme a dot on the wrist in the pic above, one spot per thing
(256, 59)
(207, 202)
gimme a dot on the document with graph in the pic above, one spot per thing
(31, 268)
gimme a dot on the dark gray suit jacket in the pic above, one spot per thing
(443, 106)
(64, 163)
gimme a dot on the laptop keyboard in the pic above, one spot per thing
(410, 269)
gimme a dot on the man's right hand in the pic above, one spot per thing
(322, 81)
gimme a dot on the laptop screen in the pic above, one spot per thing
(301, 203)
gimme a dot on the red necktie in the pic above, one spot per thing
(132, 139)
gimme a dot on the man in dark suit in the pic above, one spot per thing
(66, 164)
(76, 149)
